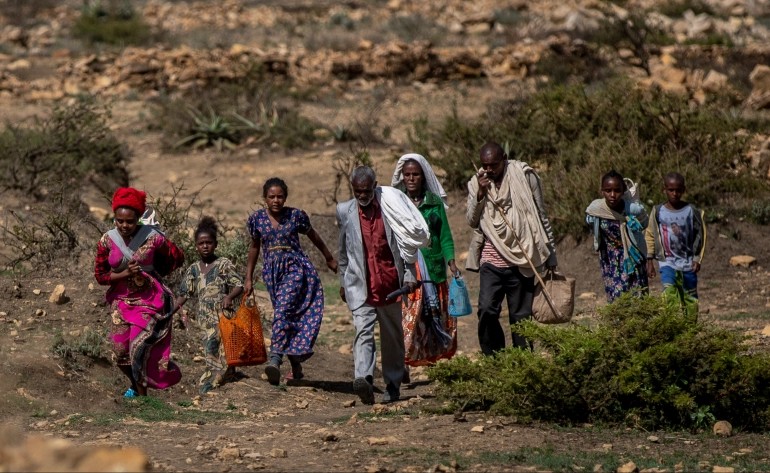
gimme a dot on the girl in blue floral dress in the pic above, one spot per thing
(618, 221)
(291, 279)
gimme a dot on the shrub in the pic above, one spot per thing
(574, 134)
(44, 233)
(71, 146)
(111, 22)
(209, 130)
(677, 9)
(251, 108)
(89, 344)
(760, 212)
(644, 364)
(177, 220)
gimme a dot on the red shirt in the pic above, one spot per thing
(381, 274)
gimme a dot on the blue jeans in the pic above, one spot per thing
(680, 287)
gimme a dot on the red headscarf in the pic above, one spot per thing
(131, 198)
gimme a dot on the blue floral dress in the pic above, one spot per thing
(616, 280)
(292, 281)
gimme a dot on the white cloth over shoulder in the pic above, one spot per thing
(431, 181)
(405, 220)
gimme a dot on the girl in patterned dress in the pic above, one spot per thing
(216, 284)
(291, 279)
(618, 221)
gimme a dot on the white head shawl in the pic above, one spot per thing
(431, 181)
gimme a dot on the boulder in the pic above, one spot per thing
(760, 92)
(722, 428)
(59, 295)
(743, 261)
(629, 467)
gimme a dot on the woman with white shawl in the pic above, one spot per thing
(430, 334)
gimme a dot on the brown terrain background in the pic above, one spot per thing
(454, 55)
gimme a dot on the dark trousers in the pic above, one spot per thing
(496, 284)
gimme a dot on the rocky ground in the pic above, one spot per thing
(476, 51)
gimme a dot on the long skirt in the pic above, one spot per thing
(420, 336)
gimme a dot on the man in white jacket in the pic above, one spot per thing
(376, 257)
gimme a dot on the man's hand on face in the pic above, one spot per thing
(484, 184)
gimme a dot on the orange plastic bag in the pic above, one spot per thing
(242, 338)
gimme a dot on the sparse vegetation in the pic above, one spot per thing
(152, 409)
(40, 236)
(645, 365)
(253, 109)
(575, 134)
(71, 145)
(112, 22)
(89, 344)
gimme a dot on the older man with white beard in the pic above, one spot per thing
(380, 234)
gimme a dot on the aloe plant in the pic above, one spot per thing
(210, 129)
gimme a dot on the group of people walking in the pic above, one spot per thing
(394, 251)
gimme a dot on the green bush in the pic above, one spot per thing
(71, 146)
(251, 108)
(90, 344)
(43, 234)
(575, 134)
(111, 22)
(760, 212)
(644, 365)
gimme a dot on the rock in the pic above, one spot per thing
(653, 439)
(766, 331)
(744, 261)
(322, 133)
(586, 296)
(40, 313)
(722, 428)
(59, 295)
(760, 92)
(302, 404)
(36, 292)
(19, 64)
(100, 213)
(229, 453)
(722, 469)
(345, 349)
(679, 467)
(352, 402)
(478, 429)
(328, 436)
(278, 453)
(715, 81)
(629, 467)
(51, 454)
(382, 440)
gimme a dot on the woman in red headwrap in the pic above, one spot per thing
(130, 259)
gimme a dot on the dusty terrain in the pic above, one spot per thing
(316, 425)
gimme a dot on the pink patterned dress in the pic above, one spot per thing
(141, 306)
